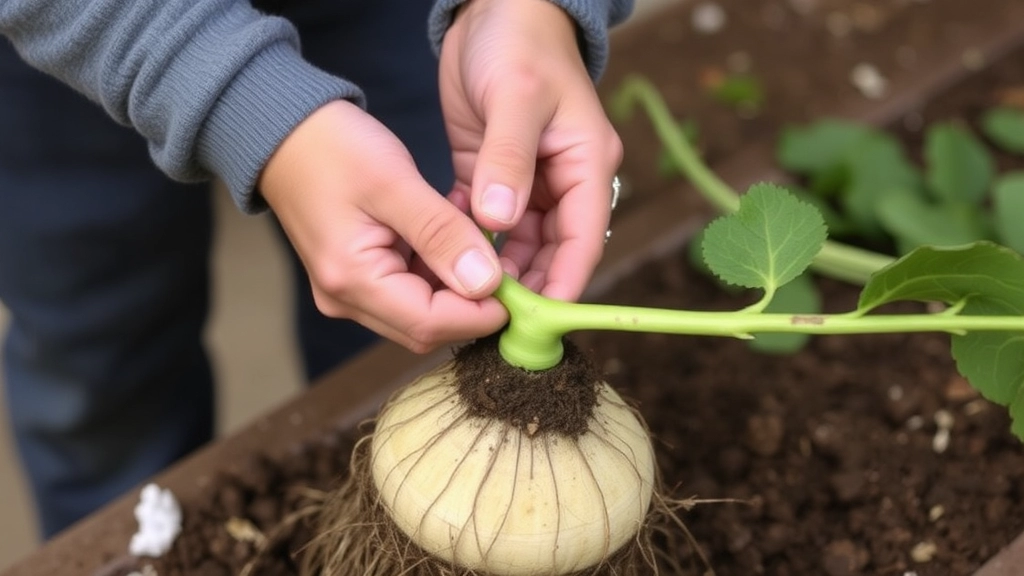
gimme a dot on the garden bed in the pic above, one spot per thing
(830, 450)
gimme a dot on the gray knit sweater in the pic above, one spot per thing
(214, 85)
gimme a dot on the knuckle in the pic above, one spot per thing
(615, 149)
(508, 153)
(423, 337)
(327, 305)
(332, 281)
(524, 84)
(433, 233)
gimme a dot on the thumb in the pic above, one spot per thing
(444, 238)
(506, 163)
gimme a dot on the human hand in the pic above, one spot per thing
(534, 152)
(370, 230)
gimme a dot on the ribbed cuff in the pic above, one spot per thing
(275, 92)
(593, 17)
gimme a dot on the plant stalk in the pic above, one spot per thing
(835, 260)
(533, 338)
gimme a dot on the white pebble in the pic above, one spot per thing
(708, 17)
(940, 441)
(924, 552)
(869, 81)
(943, 419)
(159, 518)
(915, 422)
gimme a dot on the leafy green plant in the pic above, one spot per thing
(871, 194)
(974, 280)
(883, 199)
(1005, 126)
(768, 241)
(519, 430)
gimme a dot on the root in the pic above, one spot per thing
(355, 536)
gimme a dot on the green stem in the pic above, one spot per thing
(836, 260)
(533, 338)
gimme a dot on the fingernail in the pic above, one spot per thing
(499, 202)
(473, 270)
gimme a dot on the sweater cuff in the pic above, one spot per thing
(272, 95)
(593, 18)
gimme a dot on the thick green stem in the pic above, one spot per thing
(836, 260)
(533, 338)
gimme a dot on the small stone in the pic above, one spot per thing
(958, 389)
(936, 512)
(902, 406)
(844, 558)
(915, 423)
(975, 407)
(708, 17)
(869, 81)
(940, 442)
(532, 426)
(923, 552)
(943, 419)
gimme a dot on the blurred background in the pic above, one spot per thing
(250, 338)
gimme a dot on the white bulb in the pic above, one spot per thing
(488, 496)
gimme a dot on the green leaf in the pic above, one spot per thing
(767, 242)
(1008, 204)
(915, 222)
(819, 147)
(741, 91)
(1005, 127)
(981, 271)
(800, 296)
(990, 280)
(960, 169)
(878, 167)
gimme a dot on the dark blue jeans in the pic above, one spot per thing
(104, 263)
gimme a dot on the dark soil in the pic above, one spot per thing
(834, 454)
(802, 54)
(559, 400)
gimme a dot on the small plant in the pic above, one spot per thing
(516, 458)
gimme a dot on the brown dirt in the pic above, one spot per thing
(832, 448)
(559, 400)
(794, 50)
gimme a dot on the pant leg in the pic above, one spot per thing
(382, 46)
(103, 265)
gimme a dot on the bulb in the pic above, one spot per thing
(510, 498)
